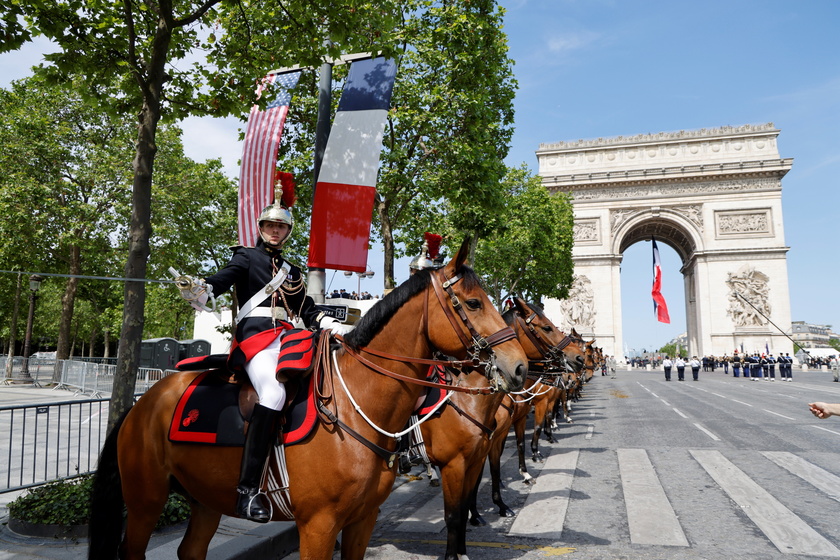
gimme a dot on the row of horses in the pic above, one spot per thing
(367, 388)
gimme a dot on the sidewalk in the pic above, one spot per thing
(235, 538)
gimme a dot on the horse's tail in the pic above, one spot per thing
(106, 504)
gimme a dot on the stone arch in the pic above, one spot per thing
(714, 195)
(665, 224)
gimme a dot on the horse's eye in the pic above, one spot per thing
(473, 304)
(547, 328)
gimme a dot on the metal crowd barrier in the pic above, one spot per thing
(47, 442)
(79, 376)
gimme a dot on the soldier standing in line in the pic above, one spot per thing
(667, 364)
(680, 368)
(771, 365)
(736, 365)
(695, 368)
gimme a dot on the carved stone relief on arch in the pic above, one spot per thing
(587, 230)
(749, 297)
(579, 308)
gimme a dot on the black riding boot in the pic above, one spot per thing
(251, 504)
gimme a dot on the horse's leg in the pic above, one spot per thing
(452, 476)
(354, 538)
(475, 517)
(539, 418)
(494, 458)
(519, 430)
(145, 495)
(200, 530)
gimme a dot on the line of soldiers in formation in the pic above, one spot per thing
(758, 366)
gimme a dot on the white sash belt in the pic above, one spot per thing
(262, 295)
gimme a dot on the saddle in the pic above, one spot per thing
(213, 408)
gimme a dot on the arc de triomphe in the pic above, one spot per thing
(714, 195)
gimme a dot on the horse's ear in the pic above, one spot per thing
(461, 258)
(521, 306)
(574, 333)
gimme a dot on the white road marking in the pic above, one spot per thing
(707, 432)
(789, 533)
(649, 513)
(544, 511)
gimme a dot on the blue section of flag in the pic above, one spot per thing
(369, 85)
(282, 84)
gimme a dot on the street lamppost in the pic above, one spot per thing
(34, 284)
(366, 274)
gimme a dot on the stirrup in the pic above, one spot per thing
(246, 512)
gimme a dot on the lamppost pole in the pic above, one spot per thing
(34, 284)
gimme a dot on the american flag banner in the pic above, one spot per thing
(259, 152)
(659, 306)
(344, 194)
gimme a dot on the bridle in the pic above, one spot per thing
(554, 361)
(475, 346)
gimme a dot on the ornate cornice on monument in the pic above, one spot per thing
(720, 154)
(730, 255)
(598, 260)
(767, 129)
(661, 189)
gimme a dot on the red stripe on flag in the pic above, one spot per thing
(340, 229)
(659, 305)
(259, 158)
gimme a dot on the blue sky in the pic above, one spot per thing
(603, 68)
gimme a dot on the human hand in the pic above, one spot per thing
(820, 409)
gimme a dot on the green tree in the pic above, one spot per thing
(529, 252)
(448, 132)
(128, 55)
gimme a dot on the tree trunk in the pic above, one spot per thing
(13, 331)
(68, 301)
(389, 282)
(140, 229)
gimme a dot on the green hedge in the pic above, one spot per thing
(67, 502)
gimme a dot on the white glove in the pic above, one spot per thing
(336, 326)
(196, 291)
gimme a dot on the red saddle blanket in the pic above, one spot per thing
(208, 412)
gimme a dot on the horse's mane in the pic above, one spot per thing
(378, 315)
(510, 315)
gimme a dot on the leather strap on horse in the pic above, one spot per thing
(388, 456)
(479, 342)
(407, 379)
(481, 426)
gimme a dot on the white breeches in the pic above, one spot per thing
(262, 372)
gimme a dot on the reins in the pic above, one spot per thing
(474, 347)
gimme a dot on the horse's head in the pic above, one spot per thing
(463, 322)
(541, 339)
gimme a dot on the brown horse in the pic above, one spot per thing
(514, 412)
(459, 439)
(340, 475)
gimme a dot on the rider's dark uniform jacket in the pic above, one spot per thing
(250, 269)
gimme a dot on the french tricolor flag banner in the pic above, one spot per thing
(659, 306)
(344, 195)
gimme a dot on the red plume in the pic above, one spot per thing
(287, 187)
(433, 240)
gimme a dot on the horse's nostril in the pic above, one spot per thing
(580, 359)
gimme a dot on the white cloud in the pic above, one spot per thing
(567, 42)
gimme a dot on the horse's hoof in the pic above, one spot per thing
(569, 420)
(478, 521)
(434, 482)
(506, 512)
(553, 425)
(538, 458)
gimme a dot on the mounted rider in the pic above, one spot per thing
(272, 300)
